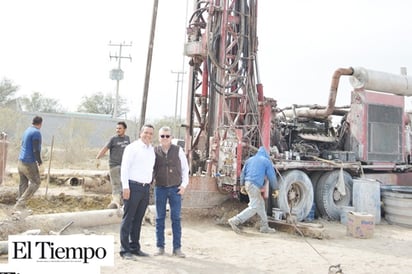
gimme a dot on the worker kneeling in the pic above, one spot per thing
(252, 179)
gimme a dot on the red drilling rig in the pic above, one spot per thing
(317, 158)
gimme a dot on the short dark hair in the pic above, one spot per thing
(145, 126)
(37, 120)
(122, 123)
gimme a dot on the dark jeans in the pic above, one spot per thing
(162, 194)
(134, 211)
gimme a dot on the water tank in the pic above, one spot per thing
(367, 197)
(397, 204)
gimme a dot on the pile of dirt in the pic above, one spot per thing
(219, 214)
(12, 223)
(58, 200)
(68, 203)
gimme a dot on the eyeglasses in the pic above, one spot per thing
(164, 136)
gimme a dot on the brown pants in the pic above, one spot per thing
(29, 180)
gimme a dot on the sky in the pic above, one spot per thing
(61, 48)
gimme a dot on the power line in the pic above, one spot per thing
(178, 80)
(117, 74)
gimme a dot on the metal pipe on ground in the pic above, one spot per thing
(82, 219)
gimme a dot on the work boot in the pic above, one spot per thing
(179, 253)
(160, 251)
(233, 222)
(267, 229)
(129, 256)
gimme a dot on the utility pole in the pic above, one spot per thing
(117, 74)
(176, 127)
(148, 64)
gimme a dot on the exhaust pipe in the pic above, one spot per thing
(323, 112)
(381, 82)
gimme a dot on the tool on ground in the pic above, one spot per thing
(48, 171)
(51, 232)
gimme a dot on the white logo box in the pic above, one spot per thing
(61, 249)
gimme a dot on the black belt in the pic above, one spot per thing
(136, 182)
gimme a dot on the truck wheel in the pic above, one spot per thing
(327, 197)
(295, 193)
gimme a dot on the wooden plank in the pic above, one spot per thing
(304, 229)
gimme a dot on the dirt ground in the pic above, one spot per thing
(212, 247)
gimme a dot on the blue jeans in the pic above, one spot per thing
(134, 210)
(162, 194)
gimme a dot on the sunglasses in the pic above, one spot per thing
(164, 136)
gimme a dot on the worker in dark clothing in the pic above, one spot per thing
(116, 147)
(29, 163)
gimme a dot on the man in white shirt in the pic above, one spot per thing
(136, 175)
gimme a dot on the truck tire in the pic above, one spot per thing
(314, 177)
(295, 193)
(328, 199)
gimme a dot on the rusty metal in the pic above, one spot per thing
(228, 114)
(367, 79)
(324, 112)
(226, 101)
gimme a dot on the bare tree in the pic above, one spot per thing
(7, 92)
(37, 102)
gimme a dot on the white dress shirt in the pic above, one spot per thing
(137, 163)
(185, 168)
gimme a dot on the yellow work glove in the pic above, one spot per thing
(243, 190)
(275, 193)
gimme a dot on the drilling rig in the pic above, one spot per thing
(226, 107)
(316, 158)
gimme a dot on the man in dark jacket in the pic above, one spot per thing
(171, 174)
